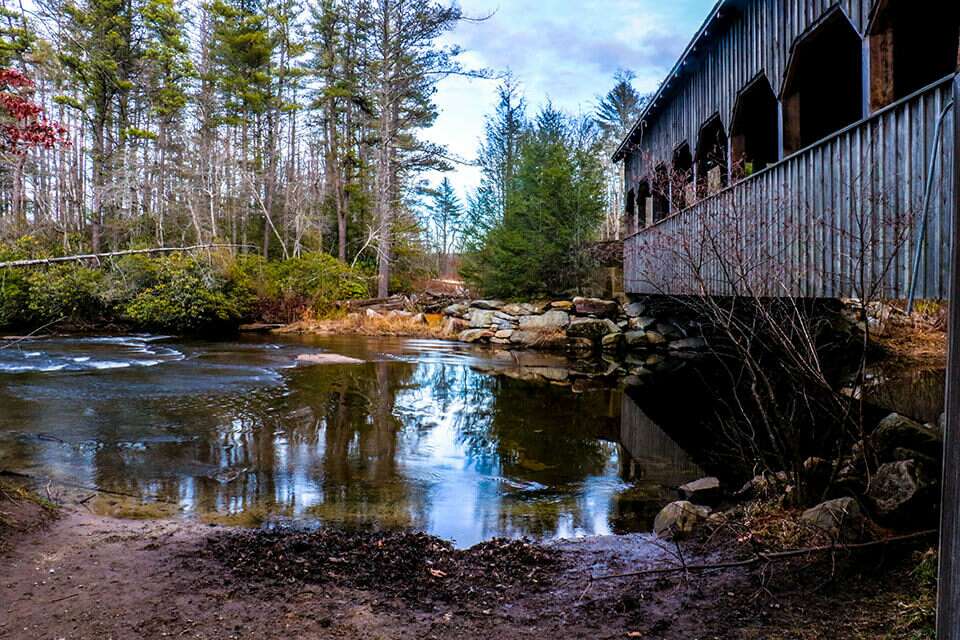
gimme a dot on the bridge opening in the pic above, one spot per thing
(823, 90)
(630, 212)
(684, 192)
(754, 130)
(911, 47)
(661, 193)
(644, 205)
(712, 170)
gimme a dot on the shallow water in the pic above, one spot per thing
(464, 444)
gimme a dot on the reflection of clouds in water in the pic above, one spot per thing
(432, 444)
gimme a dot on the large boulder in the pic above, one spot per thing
(457, 310)
(480, 319)
(553, 319)
(612, 341)
(899, 432)
(904, 491)
(702, 491)
(688, 344)
(634, 309)
(488, 305)
(642, 323)
(596, 307)
(453, 325)
(476, 335)
(840, 519)
(679, 519)
(521, 309)
(592, 328)
(635, 339)
(655, 338)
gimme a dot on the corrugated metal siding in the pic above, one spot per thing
(800, 227)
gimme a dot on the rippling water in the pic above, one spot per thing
(460, 443)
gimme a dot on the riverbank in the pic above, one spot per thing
(88, 576)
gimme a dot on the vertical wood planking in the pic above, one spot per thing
(802, 217)
(948, 597)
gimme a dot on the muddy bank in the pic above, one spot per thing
(86, 576)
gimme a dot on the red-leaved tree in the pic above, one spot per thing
(23, 127)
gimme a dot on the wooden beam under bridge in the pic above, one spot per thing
(948, 597)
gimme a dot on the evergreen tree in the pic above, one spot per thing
(619, 109)
(554, 206)
(444, 214)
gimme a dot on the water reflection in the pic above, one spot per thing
(424, 434)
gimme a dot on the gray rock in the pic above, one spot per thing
(480, 319)
(398, 314)
(488, 305)
(612, 341)
(326, 358)
(903, 491)
(370, 313)
(476, 335)
(592, 328)
(634, 309)
(504, 334)
(702, 491)
(841, 519)
(524, 337)
(669, 330)
(642, 323)
(453, 325)
(596, 307)
(655, 338)
(553, 319)
(679, 519)
(635, 339)
(496, 340)
(458, 310)
(523, 309)
(896, 431)
(420, 318)
(688, 344)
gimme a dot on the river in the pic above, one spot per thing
(458, 442)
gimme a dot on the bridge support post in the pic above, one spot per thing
(948, 597)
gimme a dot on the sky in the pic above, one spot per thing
(565, 51)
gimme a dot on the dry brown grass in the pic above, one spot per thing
(363, 325)
(919, 340)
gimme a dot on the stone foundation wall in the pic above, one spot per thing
(578, 326)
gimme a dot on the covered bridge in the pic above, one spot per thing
(791, 152)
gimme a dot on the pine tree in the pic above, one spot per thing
(619, 109)
(444, 213)
(554, 206)
(616, 113)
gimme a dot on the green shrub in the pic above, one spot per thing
(14, 292)
(68, 292)
(189, 296)
(312, 281)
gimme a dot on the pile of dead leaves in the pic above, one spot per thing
(416, 567)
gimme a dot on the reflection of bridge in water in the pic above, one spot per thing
(652, 456)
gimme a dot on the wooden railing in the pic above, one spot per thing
(837, 219)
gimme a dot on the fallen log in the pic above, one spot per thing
(767, 557)
(34, 262)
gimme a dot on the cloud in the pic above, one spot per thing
(562, 50)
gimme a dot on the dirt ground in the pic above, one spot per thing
(84, 576)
